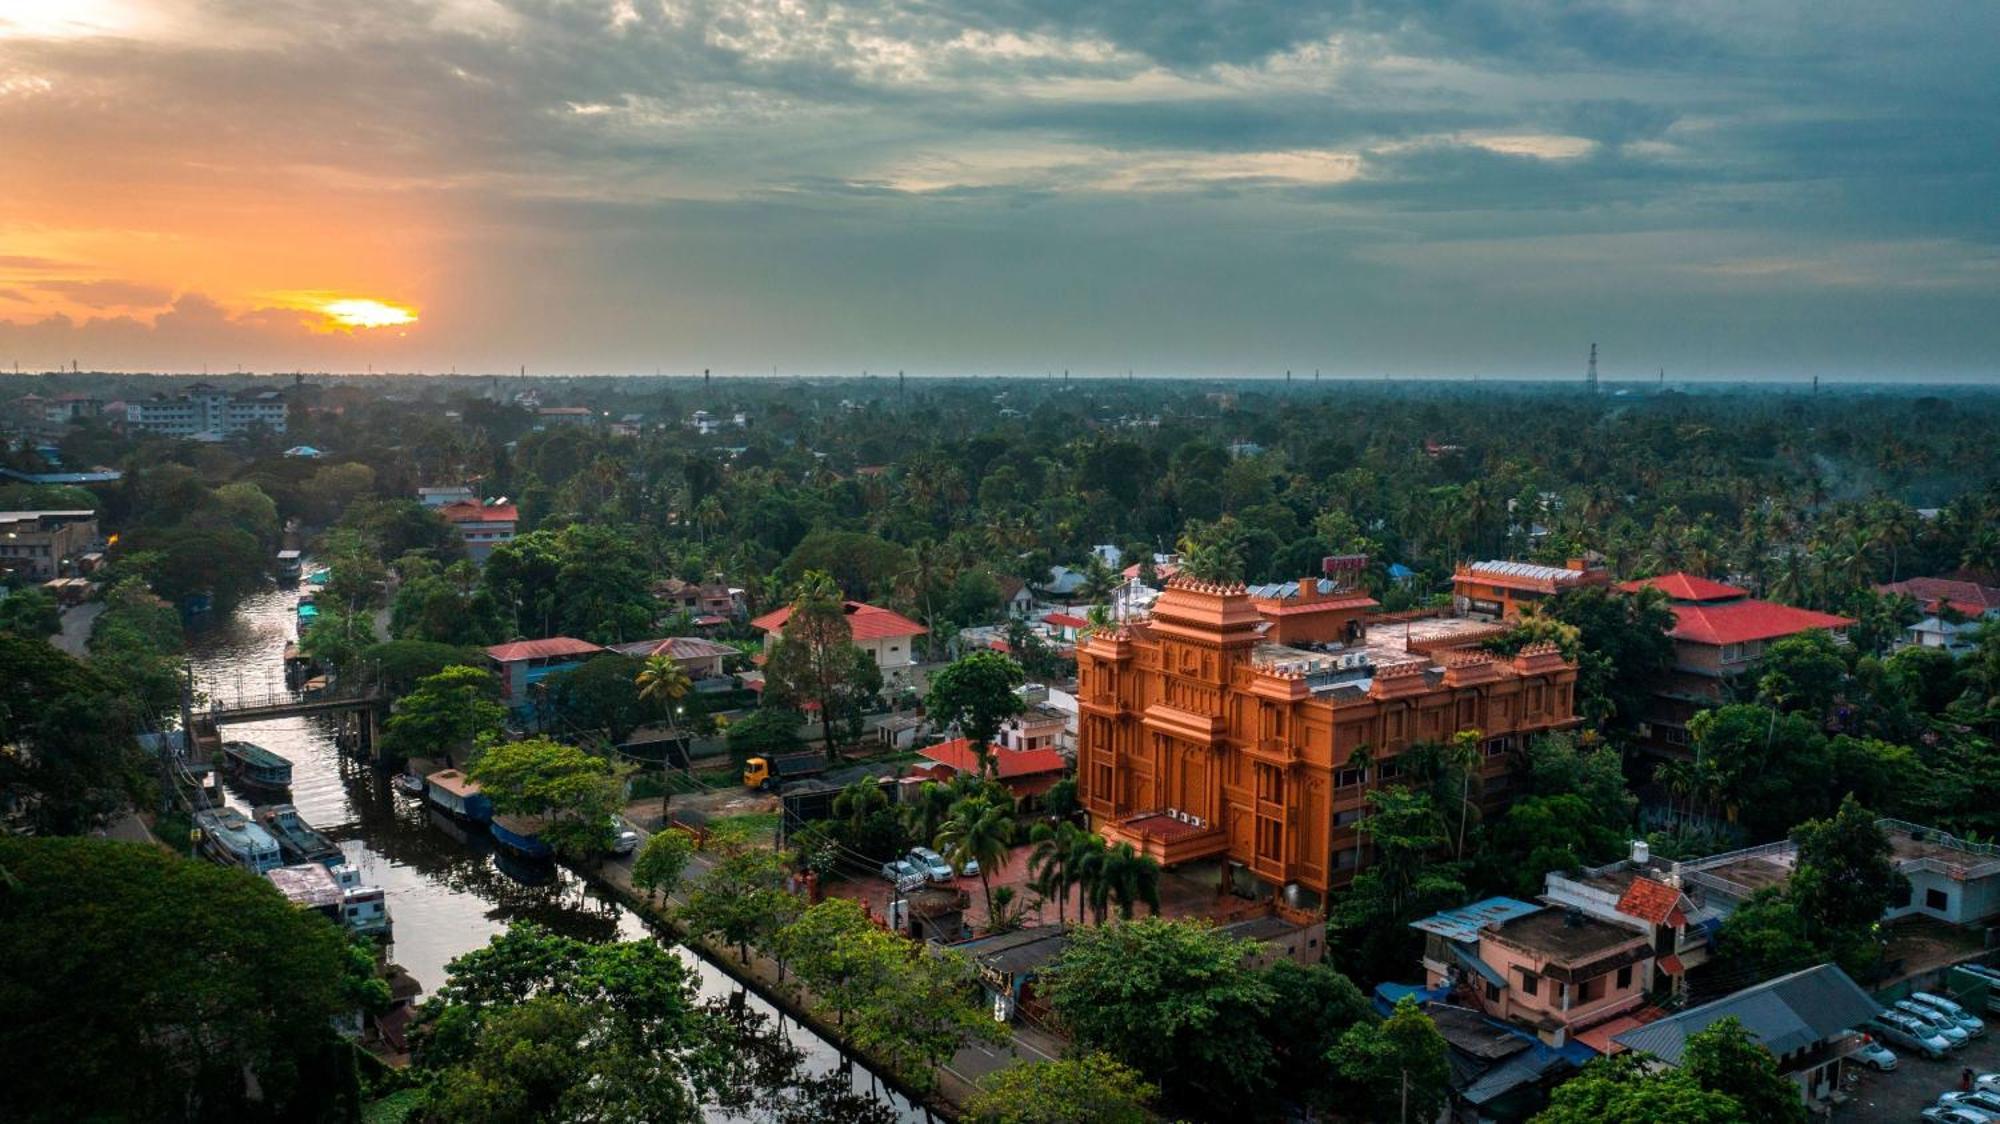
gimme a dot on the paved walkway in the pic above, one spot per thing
(77, 622)
(958, 1078)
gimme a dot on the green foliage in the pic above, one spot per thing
(150, 987)
(1090, 1087)
(31, 612)
(599, 694)
(976, 695)
(585, 580)
(445, 607)
(1622, 1090)
(182, 562)
(662, 861)
(1404, 883)
(337, 637)
(1802, 674)
(398, 665)
(1767, 770)
(815, 660)
(136, 641)
(767, 732)
(742, 899)
(448, 714)
(69, 728)
(1312, 1006)
(577, 792)
(1399, 1068)
(1173, 1000)
(978, 830)
(864, 566)
(1723, 1058)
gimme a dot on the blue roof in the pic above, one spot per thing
(1399, 571)
(1464, 923)
(1387, 995)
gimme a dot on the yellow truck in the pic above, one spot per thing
(769, 772)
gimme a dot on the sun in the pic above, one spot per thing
(361, 312)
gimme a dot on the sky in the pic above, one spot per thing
(1735, 189)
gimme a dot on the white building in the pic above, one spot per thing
(206, 412)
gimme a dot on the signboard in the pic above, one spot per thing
(1343, 564)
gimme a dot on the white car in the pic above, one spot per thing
(1966, 1020)
(1904, 1031)
(1987, 1083)
(624, 838)
(1947, 1114)
(931, 863)
(1953, 1033)
(903, 874)
(1873, 1054)
(1977, 1101)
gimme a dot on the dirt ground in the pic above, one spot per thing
(1916, 1083)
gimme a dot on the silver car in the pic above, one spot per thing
(1966, 1020)
(1904, 1031)
(903, 874)
(1978, 1101)
(1873, 1054)
(931, 863)
(1947, 1114)
(1951, 1031)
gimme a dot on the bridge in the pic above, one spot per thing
(285, 704)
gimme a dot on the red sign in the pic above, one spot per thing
(1343, 563)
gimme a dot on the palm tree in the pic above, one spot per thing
(924, 812)
(1363, 758)
(1465, 757)
(859, 800)
(1128, 878)
(1085, 867)
(1049, 862)
(663, 683)
(978, 831)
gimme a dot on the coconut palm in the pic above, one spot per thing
(859, 800)
(925, 810)
(662, 684)
(1084, 867)
(978, 830)
(1049, 862)
(1126, 878)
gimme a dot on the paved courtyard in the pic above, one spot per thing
(1916, 1082)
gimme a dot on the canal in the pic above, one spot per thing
(448, 891)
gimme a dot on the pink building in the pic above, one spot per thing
(1557, 972)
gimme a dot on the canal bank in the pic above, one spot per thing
(448, 891)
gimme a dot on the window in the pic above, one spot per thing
(1492, 992)
(1590, 990)
(1349, 777)
(1625, 977)
(1937, 900)
(1349, 818)
(1530, 983)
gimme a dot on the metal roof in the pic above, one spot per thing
(1529, 570)
(1786, 1014)
(1464, 923)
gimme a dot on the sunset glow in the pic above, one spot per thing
(356, 312)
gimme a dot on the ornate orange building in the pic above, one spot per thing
(1198, 737)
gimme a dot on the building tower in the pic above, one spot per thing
(1590, 379)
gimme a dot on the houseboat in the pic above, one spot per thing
(289, 567)
(256, 767)
(298, 665)
(308, 613)
(229, 837)
(521, 836)
(299, 840)
(337, 893)
(458, 795)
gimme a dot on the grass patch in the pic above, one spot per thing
(744, 827)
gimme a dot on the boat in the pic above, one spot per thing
(229, 837)
(308, 613)
(521, 836)
(337, 893)
(299, 840)
(289, 567)
(409, 784)
(253, 765)
(458, 795)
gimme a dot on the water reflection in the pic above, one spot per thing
(449, 891)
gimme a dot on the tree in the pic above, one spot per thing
(152, 987)
(503, 1034)
(662, 683)
(184, 562)
(1048, 862)
(1400, 1067)
(32, 613)
(1123, 876)
(1312, 1006)
(765, 732)
(338, 637)
(815, 660)
(1622, 1090)
(840, 953)
(67, 727)
(1092, 1087)
(1173, 1000)
(742, 899)
(1723, 1058)
(1405, 881)
(976, 694)
(1770, 769)
(1845, 878)
(1802, 674)
(136, 642)
(576, 793)
(447, 715)
(662, 861)
(599, 694)
(978, 830)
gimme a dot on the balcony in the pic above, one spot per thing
(1168, 837)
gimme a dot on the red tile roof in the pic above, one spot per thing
(1064, 620)
(869, 622)
(1969, 598)
(541, 649)
(1736, 622)
(1161, 570)
(1654, 902)
(468, 511)
(957, 753)
(1686, 587)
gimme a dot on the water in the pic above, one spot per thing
(448, 891)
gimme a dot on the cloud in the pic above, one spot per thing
(109, 293)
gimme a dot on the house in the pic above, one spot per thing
(883, 633)
(1024, 772)
(1719, 632)
(1198, 738)
(1015, 600)
(1279, 938)
(524, 663)
(1557, 972)
(566, 415)
(1804, 1019)
(699, 657)
(205, 412)
(1639, 896)
(699, 599)
(1010, 963)
(1956, 637)
(1950, 879)
(1038, 727)
(1065, 627)
(446, 494)
(1498, 1071)
(1933, 595)
(40, 545)
(1164, 566)
(1502, 589)
(481, 526)
(1063, 583)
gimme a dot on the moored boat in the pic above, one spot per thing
(459, 795)
(521, 836)
(253, 765)
(336, 892)
(308, 613)
(229, 837)
(299, 840)
(409, 784)
(288, 567)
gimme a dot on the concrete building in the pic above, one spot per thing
(1558, 972)
(446, 494)
(524, 663)
(1198, 739)
(481, 526)
(1634, 894)
(1951, 880)
(41, 545)
(1502, 589)
(205, 412)
(886, 635)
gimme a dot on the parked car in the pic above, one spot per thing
(1943, 1024)
(1977, 1100)
(1966, 1020)
(903, 874)
(1901, 1030)
(624, 837)
(931, 863)
(1873, 1054)
(1948, 1114)
(1987, 1082)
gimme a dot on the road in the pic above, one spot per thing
(76, 625)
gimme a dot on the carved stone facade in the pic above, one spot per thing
(1198, 739)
